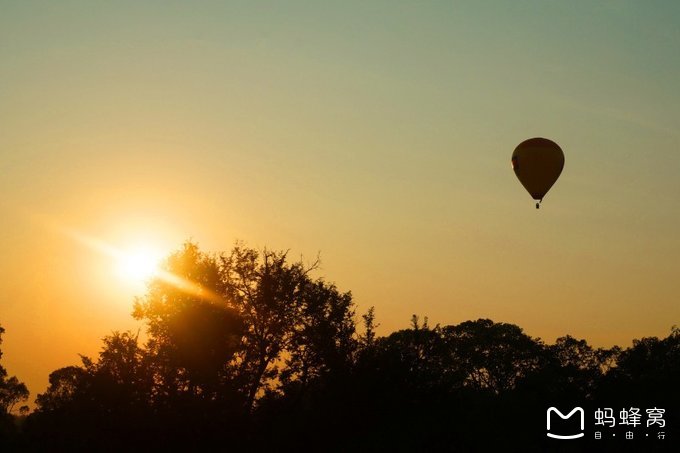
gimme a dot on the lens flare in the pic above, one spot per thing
(138, 264)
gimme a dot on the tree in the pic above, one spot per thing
(493, 356)
(64, 386)
(368, 338)
(285, 313)
(102, 404)
(323, 334)
(242, 324)
(12, 391)
(647, 371)
(194, 332)
(265, 289)
(248, 350)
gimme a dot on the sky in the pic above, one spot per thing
(377, 134)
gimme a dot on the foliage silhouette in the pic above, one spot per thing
(248, 352)
(12, 392)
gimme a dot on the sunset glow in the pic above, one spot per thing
(139, 264)
(376, 135)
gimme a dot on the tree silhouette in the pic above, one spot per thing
(12, 392)
(323, 335)
(64, 386)
(292, 321)
(193, 333)
(493, 356)
(266, 291)
(247, 351)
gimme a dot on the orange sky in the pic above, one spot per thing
(379, 135)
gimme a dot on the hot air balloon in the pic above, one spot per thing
(537, 162)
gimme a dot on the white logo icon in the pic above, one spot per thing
(564, 417)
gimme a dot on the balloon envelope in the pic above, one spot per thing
(537, 162)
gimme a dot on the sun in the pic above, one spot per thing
(138, 264)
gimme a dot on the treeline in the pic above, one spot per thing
(247, 351)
